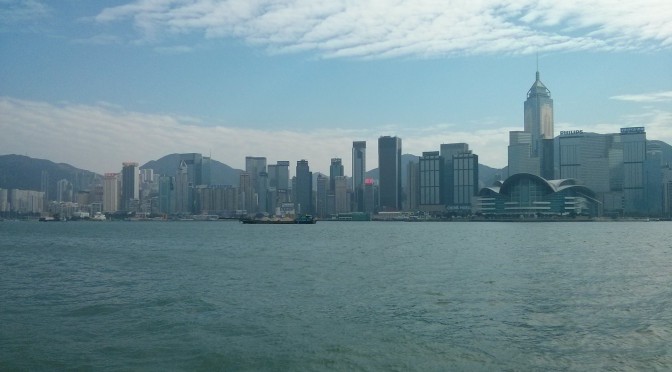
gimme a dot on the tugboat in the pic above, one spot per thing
(306, 219)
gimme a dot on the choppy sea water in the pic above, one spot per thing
(335, 296)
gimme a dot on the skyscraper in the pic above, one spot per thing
(465, 180)
(246, 192)
(341, 200)
(448, 152)
(431, 174)
(253, 166)
(634, 155)
(335, 170)
(304, 188)
(111, 192)
(194, 166)
(282, 175)
(412, 186)
(358, 173)
(534, 154)
(166, 194)
(539, 115)
(130, 185)
(321, 202)
(182, 191)
(389, 168)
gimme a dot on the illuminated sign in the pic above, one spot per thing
(632, 130)
(570, 132)
(369, 181)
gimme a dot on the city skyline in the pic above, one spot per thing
(95, 86)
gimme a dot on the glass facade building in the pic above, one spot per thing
(431, 179)
(304, 188)
(530, 196)
(389, 167)
(465, 179)
(358, 173)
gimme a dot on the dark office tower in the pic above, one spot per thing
(335, 170)
(166, 194)
(272, 176)
(282, 175)
(547, 159)
(539, 123)
(389, 168)
(262, 192)
(130, 185)
(358, 173)
(304, 188)
(431, 174)
(448, 152)
(412, 186)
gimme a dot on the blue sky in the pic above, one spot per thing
(96, 83)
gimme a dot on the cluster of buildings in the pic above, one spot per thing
(577, 173)
(573, 174)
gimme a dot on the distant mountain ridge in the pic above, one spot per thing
(25, 173)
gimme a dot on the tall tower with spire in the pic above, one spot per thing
(539, 115)
(531, 150)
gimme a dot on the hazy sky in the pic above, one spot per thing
(96, 83)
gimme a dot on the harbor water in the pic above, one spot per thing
(335, 296)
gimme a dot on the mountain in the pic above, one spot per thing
(220, 173)
(25, 173)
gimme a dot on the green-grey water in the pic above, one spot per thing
(335, 296)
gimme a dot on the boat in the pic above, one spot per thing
(301, 220)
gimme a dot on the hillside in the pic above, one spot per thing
(220, 173)
(23, 172)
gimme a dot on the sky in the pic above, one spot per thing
(97, 83)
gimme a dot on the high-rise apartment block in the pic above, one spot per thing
(111, 192)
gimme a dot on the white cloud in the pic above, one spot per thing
(374, 28)
(646, 97)
(100, 137)
(13, 12)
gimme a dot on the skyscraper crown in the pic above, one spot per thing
(538, 89)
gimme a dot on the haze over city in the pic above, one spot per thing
(97, 83)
